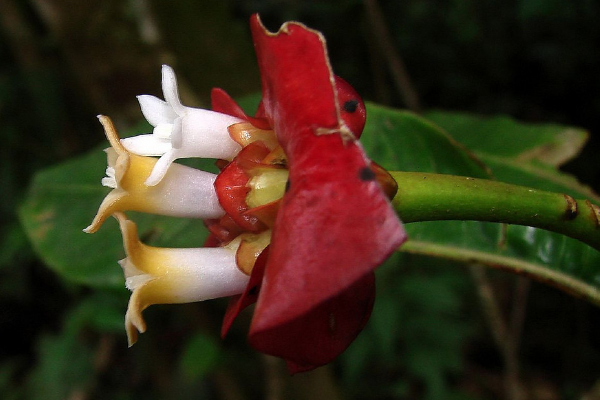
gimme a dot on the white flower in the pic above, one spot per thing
(167, 275)
(184, 191)
(179, 131)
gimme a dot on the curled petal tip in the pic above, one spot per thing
(97, 221)
(134, 322)
(111, 134)
(170, 91)
(160, 168)
(104, 120)
(167, 69)
(154, 179)
(132, 333)
(109, 205)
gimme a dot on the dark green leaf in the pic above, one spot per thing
(502, 136)
(403, 141)
(523, 154)
(515, 153)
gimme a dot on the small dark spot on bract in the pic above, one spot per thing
(287, 185)
(366, 174)
(350, 106)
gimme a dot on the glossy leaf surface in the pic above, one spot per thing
(547, 256)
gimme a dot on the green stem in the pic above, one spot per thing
(431, 197)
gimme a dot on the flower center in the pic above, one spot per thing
(266, 185)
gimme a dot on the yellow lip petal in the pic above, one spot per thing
(144, 296)
(172, 275)
(110, 205)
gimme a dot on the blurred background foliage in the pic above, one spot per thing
(62, 62)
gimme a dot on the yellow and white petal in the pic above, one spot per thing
(184, 191)
(173, 275)
(111, 203)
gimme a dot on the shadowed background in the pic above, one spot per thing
(64, 62)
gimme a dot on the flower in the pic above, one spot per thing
(187, 192)
(162, 276)
(302, 216)
(334, 224)
(179, 131)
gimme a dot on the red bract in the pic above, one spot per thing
(315, 287)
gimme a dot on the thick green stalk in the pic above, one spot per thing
(431, 197)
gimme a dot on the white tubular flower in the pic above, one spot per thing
(179, 131)
(184, 191)
(166, 276)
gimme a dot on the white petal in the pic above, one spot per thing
(185, 192)
(134, 278)
(147, 145)
(163, 131)
(167, 275)
(109, 181)
(161, 167)
(186, 274)
(204, 134)
(204, 273)
(170, 91)
(134, 281)
(177, 133)
(155, 110)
